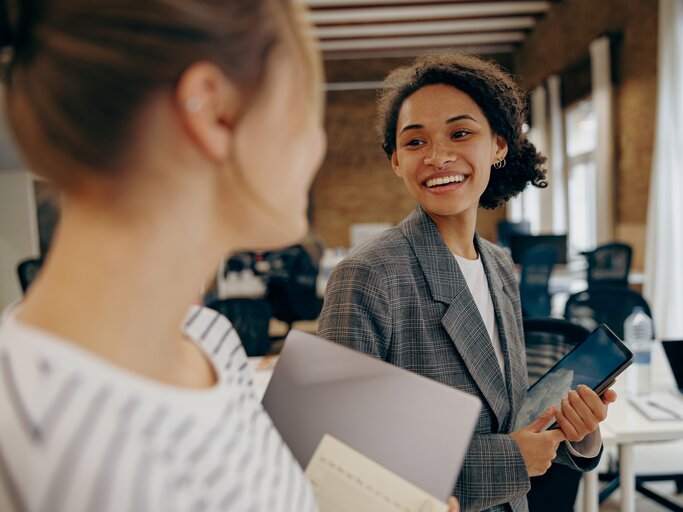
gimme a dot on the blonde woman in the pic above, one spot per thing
(178, 132)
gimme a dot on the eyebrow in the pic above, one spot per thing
(448, 121)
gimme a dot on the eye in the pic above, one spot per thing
(413, 143)
(459, 134)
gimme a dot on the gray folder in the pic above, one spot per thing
(414, 426)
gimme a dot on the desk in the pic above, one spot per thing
(626, 426)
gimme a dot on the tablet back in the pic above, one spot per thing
(414, 426)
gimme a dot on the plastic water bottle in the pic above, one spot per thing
(638, 337)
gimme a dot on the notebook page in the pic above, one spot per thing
(345, 480)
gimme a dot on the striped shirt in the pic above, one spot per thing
(78, 434)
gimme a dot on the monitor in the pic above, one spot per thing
(520, 244)
(674, 353)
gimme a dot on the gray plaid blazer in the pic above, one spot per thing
(401, 297)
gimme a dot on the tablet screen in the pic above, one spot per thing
(592, 363)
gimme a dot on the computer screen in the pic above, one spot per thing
(520, 244)
(674, 353)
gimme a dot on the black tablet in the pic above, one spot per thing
(595, 362)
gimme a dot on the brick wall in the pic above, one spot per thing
(356, 182)
(561, 40)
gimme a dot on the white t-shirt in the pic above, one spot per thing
(79, 434)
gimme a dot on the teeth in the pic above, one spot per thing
(445, 180)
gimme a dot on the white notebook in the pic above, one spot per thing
(345, 480)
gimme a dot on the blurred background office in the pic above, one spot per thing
(605, 92)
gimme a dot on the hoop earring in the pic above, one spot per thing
(499, 164)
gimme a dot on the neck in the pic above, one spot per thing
(457, 232)
(119, 285)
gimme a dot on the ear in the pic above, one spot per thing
(394, 164)
(501, 148)
(208, 103)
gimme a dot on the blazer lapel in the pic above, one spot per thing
(462, 320)
(510, 337)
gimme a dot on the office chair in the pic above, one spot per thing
(292, 285)
(547, 341)
(537, 265)
(609, 264)
(609, 304)
(27, 270)
(250, 318)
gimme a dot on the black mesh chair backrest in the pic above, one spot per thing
(537, 265)
(27, 270)
(609, 264)
(507, 229)
(547, 341)
(250, 318)
(292, 285)
(604, 304)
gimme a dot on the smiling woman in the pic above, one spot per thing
(431, 296)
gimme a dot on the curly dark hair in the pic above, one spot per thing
(496, 94)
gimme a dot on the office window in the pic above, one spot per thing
(580, 129)
(527, 205)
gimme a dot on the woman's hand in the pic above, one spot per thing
(539, 448)
(453, 505)
(582, 411)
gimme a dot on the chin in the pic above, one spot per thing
(444, 210)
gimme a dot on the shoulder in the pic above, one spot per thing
(216, 336)
(384, 255)
(201, 323)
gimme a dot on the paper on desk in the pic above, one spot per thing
(345, 480)
(660, 406)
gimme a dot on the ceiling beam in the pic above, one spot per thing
(428, 27)
(421, 41)
(425, 12)
(414, 52)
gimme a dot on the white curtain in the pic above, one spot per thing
(556, 153)
(664, 246)
(602, 91)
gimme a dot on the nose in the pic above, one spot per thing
(440, 155)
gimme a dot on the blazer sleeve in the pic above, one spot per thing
(356, 309)
(493, 473)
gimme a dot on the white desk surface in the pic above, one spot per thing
(628, 424)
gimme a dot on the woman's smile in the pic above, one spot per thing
(445, 182)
